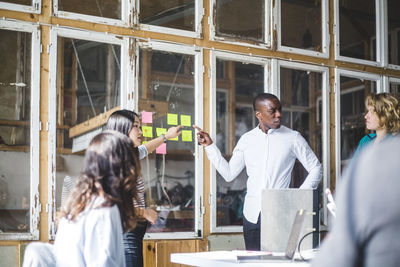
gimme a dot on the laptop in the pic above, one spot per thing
(290, 248)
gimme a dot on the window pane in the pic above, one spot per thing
(240, 19)
(393, 7)
(395, 88)
(88, 81)
(301, 24)
(237, 84)
(166, 88)
(352, 110)
(15, 95)
(357, 29)
(19, 2)
(177, 14)
(100, 8)
(301, 97)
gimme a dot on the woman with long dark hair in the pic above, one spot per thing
(99, 209)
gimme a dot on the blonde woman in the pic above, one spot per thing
(382, 117)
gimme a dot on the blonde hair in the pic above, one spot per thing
(387, 109)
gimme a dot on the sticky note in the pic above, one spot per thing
(186, 136)
(162, 149)
(147, 131)
(147, 117)
(186, 120)
(144, 142)
(172, 119)
(160, 131)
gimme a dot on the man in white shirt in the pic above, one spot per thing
(268, 152)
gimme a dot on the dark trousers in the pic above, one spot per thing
(251, 232)
(133, 244)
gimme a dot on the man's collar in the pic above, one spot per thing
(270, 131)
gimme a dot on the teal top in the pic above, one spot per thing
(367, 140)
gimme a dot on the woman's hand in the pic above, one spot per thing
(150, 215)
(173, 132)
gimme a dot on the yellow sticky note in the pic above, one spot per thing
(186, 136)
(174, 139)
(161, 131)
(186, 120)
(172, 119)
(144, 142)
(147, 131)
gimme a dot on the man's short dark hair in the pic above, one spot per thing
(262, 97)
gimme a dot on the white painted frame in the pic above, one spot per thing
(381, 59)
(324, 34)
(212, 198)
(325, 121)
(357, 75)
(268, 29)
(125, 21)
(35, 8)
(197, 52)
(125, 72)
(197, 33)
(35, 128)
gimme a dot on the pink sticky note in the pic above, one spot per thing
(162, 149)
(147, 117)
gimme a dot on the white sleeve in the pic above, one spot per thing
(230, 170)
(142, 151)
(103, 238)
(310, 162)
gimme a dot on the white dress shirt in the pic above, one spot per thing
(269, 160)
(94, 239)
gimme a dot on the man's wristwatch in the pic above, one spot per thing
(165, 138)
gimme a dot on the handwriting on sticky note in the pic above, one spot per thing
(172, 119)
(147, 131)
(186, 120)
(147, 117)
(162, 149)
(186, 136)
(160, 131)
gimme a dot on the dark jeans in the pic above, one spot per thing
(251, 232)
(133, 244)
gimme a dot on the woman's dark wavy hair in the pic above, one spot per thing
(110, 172)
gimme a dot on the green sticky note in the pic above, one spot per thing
(186, 120)
(172, 119)
(147, 131)
(186, 136)
(161, 131)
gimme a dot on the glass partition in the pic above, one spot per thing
(89, 84)
(393, 6)
(15, 99)
(301, 24)
(357, 29)
(176, 14)
(166, 99)
(99, 8)
(238, 19)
